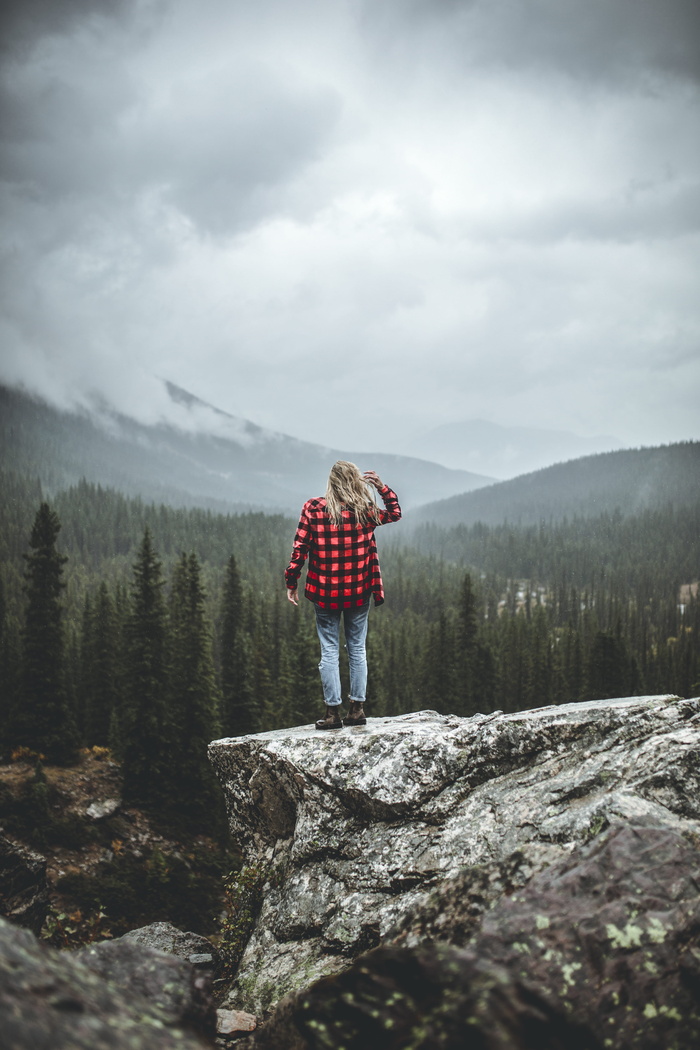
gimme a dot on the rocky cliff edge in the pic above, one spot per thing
(413, 828)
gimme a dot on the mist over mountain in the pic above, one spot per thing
(629, 481)
(505, 452)
(205, 458)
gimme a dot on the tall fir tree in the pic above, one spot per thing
(467, 634)
(143, 711)
(101, 659)
(608, 667)
(484, 681)
(85, 669)
(191, 791)
(9, 670)
(441, 687)
(261, 709)
(240, 712)
(43, 719)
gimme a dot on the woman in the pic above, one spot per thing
(336, 533)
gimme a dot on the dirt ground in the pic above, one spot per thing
(100, 841)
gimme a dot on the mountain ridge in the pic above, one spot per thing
(236, 466)
(225, 463)
(626, 480)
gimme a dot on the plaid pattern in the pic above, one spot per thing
(343, 563)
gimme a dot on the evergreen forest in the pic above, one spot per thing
(152, 630)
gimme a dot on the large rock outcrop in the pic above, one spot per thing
(423, 828)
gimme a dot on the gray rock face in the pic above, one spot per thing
(24, 891)
(363, 835)
(120, 996)
(599, 950)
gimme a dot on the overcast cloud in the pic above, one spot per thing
(356, 220)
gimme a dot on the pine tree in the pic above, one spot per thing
(143, 712)
(484, 689)
(9, 671)
(306, 686)
(538, 660)
(260, 695)
(85, 668)
(466, 657)
(239, 710)
(608, 667)
(101, 654)
(190, 787)
(44, 720)
(439, 668)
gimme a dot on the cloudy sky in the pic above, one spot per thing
(356, 220)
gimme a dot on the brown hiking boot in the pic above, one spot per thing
(356, 714)
(332, 719)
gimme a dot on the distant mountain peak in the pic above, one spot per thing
(183, 397)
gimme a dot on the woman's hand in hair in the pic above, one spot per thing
(293, 596)
(373, 479)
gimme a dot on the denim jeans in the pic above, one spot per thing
(328, 627)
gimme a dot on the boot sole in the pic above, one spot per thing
(359, 722)
(339, 725)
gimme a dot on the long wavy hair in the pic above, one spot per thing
(347, 488)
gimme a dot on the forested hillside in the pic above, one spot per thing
(475, 619)
(627, 481)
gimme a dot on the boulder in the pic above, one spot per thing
(115, 997)
(165, 937)
(24, 890)
(103, 809)
(352, 832)
(177, 992)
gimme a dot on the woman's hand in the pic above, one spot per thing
(293, 596)
(373, 479)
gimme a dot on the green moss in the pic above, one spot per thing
(243, 893)
(598, 824)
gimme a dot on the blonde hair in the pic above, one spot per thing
(347, 488)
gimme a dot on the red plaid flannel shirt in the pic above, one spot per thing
(343, 562)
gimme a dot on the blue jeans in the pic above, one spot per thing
(328, 627)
